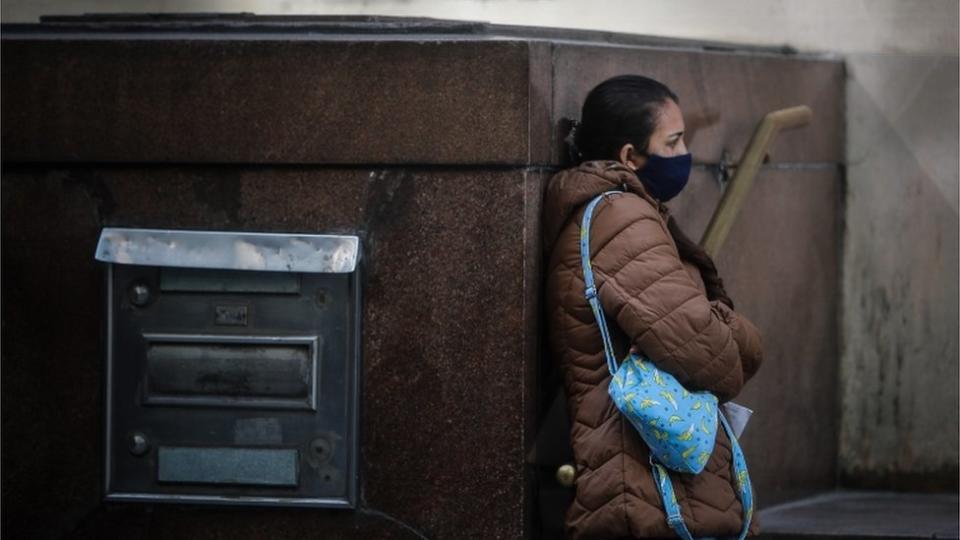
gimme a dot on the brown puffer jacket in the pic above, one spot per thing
(657, 303)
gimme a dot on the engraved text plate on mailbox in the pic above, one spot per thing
(232, 367)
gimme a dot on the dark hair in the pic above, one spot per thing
(625, 110)
(618, 111)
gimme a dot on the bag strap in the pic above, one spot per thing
(672, 508)
(743, 477)
(591, 289)
(664, 485)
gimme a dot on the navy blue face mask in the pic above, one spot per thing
(665, 177)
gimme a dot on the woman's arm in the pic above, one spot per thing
(643, 285)
(748, 341)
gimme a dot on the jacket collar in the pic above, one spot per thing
(571, 188)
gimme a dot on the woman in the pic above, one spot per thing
(662, 297)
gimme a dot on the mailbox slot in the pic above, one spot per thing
(230, 371)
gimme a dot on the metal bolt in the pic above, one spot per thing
(138, 444)
(139, 294)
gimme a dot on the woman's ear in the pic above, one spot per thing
(631, 158)
(626, 152)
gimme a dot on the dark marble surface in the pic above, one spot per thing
(320, 99)
(448, 370)
(265, 101)
(51, 365)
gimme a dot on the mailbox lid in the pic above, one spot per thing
(272, 252)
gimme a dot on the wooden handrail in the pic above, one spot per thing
(739, 186)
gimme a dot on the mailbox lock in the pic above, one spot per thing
(138, 444)
(139, 294)
(321, 298)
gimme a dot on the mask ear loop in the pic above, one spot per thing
(645, 154)
(636, 171)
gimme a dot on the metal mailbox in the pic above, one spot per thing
(232, 367)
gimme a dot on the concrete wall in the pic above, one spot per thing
(899, 362)
(899, 318)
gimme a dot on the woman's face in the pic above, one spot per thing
(666, 141)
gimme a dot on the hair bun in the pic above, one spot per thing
(573, 152)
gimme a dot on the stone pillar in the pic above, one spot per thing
(433, 142)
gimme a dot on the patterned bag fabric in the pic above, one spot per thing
(679, 426)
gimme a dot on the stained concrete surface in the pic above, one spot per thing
(900, 366)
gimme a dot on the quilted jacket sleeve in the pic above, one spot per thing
(643, 286)
(748, 340)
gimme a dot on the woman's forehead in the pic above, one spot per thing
(670, 119)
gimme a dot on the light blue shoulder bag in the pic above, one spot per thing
(679, 426)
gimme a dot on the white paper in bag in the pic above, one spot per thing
(737, 416)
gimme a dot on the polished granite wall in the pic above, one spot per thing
(444, 402)
(434, 145)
